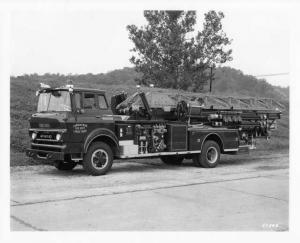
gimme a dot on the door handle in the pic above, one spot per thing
(98, 116)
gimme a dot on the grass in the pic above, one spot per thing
(23, 104)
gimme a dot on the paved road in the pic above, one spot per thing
(247, 192)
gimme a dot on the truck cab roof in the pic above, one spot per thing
(76, 89)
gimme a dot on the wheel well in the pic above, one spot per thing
(217, 139)
(109, 141)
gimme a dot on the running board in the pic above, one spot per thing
(244, 149)
(240, 150)
(158, 154)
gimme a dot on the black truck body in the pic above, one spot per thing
(77, 126)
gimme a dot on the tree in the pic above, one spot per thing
(169, 54)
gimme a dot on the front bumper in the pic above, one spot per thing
(45, 155)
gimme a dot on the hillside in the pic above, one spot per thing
(228, 82)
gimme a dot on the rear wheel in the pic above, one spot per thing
(172, 159)
(98, 159)
(210, 155)
(65, 165)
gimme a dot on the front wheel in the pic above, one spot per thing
(210, 155)
(98, 159)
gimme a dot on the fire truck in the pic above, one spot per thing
(76, 125)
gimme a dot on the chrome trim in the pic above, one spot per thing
(49, 145)
(242, 146)
(158, 154)
(231, 150)
(47, 140)
(251, 147)
(47, 130)
(203, 128)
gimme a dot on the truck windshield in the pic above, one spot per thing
(54, 101)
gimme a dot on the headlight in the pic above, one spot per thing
(58, 136)
(33, 135)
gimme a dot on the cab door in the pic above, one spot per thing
(85, 115)
(89, 109)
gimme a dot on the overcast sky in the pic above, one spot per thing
(97, 41)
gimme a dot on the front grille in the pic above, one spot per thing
(46, 135)
(46, 140)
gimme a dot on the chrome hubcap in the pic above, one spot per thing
(212, 155)
(99, 158)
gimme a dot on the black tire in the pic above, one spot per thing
(65, 165)
(172, 159)
(210, 155)
(98, 159)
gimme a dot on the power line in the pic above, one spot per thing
(271, 74)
